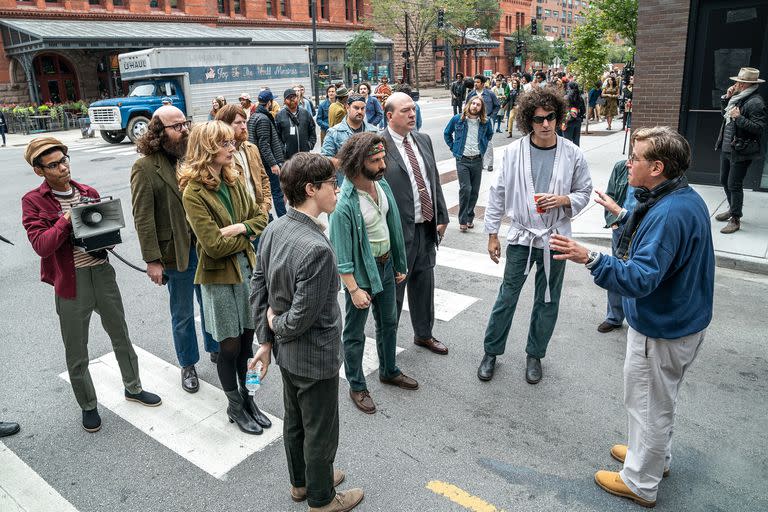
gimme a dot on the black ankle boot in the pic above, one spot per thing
(253, 409)
(237, 414)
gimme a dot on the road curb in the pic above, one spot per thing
(722, 259)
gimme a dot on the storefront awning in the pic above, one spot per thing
(26, 36)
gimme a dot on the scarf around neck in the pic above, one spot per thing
(645, 200)
(736, 98)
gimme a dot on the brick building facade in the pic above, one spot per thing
(78, 73)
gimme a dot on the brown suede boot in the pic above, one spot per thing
(733, 226)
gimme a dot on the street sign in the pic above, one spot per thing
(556, 62)
(518, 60)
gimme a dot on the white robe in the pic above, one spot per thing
(512, 196)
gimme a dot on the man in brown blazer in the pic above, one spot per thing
(247, 158)
(165, 236)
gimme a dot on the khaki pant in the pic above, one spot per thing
(96, 291)
(653, 371)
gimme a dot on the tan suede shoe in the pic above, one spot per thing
(300, 493)
(611, 482)
(342, 502)
(619, 452)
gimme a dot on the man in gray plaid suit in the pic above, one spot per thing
(294, 301)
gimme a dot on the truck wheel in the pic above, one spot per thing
(113, 137)
(137, 127)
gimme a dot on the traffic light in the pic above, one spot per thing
(534, 28)
(440, 18)
(519, 47)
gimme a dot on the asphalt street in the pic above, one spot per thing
(455, 444)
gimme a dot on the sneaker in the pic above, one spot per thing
(144, 398)
(610, 481)
(91, 420)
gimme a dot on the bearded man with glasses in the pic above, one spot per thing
(166, 239)
(83, 282)
(544, 182)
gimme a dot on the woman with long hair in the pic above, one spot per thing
(611, 95)
(216, 104)
(224, 218)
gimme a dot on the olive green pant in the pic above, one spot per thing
(96, 291)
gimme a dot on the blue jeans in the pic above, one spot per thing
(278, 201)
(614, 309)
(182, 287)
(470, 173)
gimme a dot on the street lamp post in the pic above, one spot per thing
(314, 52)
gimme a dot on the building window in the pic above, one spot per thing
(284, 8)
(348, 10)
(222, 6)
(547, 12)
(118, 3)
(94, 2)
(538, 12)
(175, 4)
(556, 13)
(237, 7)
(324, 10)
(360, 14)
(270, 12)
(154, 4)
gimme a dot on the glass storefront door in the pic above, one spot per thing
(724, 36)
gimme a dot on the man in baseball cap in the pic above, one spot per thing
(83, 282)
(245, 102)
(295, 125)
(739, 140)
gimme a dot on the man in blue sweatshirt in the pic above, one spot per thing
(665, 269)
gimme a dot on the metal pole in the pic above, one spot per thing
(314, 53)
(448, 74)
(407, 52)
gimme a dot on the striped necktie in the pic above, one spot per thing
(426, 203)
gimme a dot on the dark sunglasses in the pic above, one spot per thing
(549, 117)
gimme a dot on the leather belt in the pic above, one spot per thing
(475, 157)
(383, 258)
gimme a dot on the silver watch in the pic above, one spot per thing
(591, 257)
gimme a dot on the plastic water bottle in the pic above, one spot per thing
(252, 378)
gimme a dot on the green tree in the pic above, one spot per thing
(360, 50)
(619, 17)
(462, 16)
(590, 48)
(391, 16)
(560, 50)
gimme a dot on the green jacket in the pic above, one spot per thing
(207, 214)
(158, 213)
(617, 189)
(350, 238)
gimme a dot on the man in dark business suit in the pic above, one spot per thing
(294, 301)
(412, 175)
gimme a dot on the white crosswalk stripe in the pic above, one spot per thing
(195, 426)
(23, 490)
(370, 358)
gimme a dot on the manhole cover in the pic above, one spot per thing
(103, 159)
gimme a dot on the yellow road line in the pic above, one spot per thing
(461, 497)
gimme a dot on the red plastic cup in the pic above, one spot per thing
(536, 198)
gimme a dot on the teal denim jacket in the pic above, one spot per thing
(350, 238)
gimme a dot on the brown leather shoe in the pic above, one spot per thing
(363, 401)
(342, 502)
(432, 344)
(300, 493)
(401, 381)
(733, 226)
(607, 327)
(723, 216)
(610, 481)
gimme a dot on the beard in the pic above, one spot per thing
(373, 176)
(177, 148)
(241, 137)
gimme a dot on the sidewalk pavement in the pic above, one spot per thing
(65, 136)
(745, 250)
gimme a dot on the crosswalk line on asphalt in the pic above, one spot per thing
(447, 304)
(195, 426)
(23, 490)
(470, 262)
(370, 358)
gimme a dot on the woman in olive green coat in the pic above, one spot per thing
(224, 218)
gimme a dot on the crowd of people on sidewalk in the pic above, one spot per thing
(210, 212)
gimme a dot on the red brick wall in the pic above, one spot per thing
(662, 29)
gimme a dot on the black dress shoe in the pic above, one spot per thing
(8, 428)
(144, 398)
(189, 381)
(607, 327)
(532, 369)
(487, 365)
(91, 420)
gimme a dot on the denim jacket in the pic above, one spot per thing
(338, 135)
(455, 135)
(373, 111)
(322, 114)
(350, 238)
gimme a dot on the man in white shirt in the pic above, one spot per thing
(543, 183)
(412, 175)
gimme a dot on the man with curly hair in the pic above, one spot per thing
(166, 240)
(543, 183)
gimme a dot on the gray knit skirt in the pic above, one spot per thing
(226, 306)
